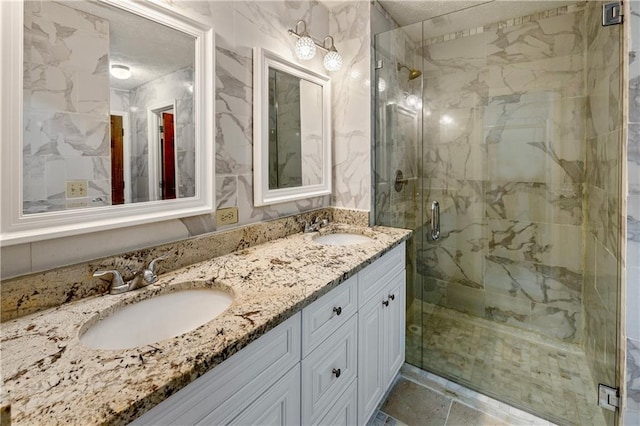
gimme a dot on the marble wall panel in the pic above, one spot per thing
(455, 56)
(633, 375)
(534, 202)
(351, 132)
(462, 89)
(66, 105)
(545, 243)
(540, 39)
(562, 75)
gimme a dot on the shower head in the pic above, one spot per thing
(413, 73)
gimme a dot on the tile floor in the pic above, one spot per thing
(534, 373)
(419, 398)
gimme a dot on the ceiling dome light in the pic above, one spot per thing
(121, 72)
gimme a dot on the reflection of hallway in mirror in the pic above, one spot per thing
(117, 160)
(167, 148)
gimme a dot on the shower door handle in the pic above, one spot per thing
(435, 220)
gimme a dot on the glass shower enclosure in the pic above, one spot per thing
(511, 131)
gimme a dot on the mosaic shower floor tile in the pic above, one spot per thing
(531, 372)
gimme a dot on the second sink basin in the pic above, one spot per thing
(342, 239)
(155, 319)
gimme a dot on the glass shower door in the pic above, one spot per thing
(398, 152)
(519, 140)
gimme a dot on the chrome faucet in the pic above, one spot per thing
(315, 224)
(140, 279)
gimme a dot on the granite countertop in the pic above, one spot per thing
(49, 377)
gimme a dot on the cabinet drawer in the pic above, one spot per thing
(345, 411)
(328, 371)
(327, 314)
(374, 277)
(229, 387)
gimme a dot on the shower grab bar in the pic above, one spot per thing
(435, 220)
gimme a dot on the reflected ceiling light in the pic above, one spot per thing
(382, 85)
(305, 48)
(411, 100)
(121, 72)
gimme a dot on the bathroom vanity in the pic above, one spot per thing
(315, 334)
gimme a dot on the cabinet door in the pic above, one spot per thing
(344, 411)
(279, 405)
(371, 384)
(394, 334)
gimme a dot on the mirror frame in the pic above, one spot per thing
(262, 195)
(15, 226)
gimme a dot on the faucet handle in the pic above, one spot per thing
(152, 264)
(149, 274)
(117, 283)
(116, 278)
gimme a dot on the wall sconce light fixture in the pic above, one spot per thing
(306, 48)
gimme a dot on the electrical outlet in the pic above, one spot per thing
(76, 189)
(227, 216)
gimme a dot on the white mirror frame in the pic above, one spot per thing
(262, 195)
(15, 226)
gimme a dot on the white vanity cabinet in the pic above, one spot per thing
(329, 364)
(249, 379)
(381, 325)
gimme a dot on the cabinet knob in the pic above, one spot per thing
(392, 296)
(337, 310)
(336, 372)
(385, 302)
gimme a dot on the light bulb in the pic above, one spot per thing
(121, 72)
(382, 85)
(305, 48)
(332, 61)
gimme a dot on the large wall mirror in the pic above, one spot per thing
(292, 130)
(109, 116)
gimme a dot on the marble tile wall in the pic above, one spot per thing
(602, 196)
(349, 24)
(66, 109)
(504, 132)
(632, 376)
(240, 26)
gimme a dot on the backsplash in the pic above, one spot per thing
(32, 293)
(240, 26)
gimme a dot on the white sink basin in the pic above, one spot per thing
(156, 319)
(342, 239)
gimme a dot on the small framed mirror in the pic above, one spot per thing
(291, 130)
(107, 116)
